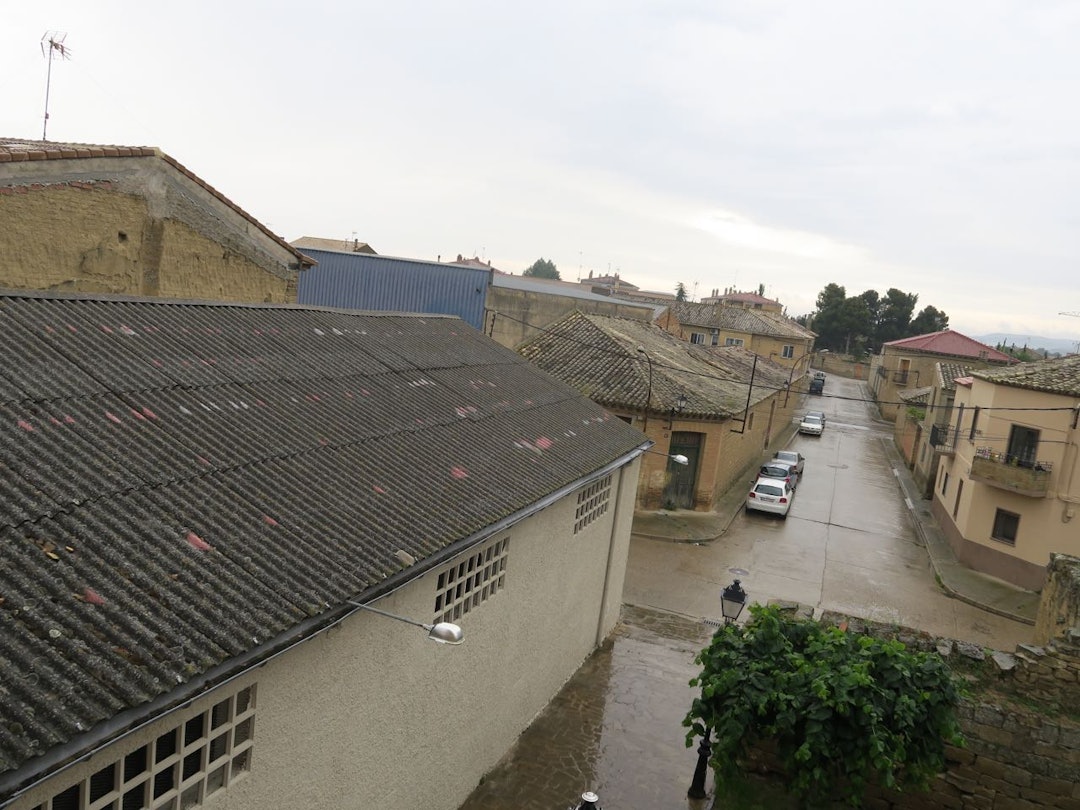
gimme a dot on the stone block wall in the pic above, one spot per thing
(1022, 728)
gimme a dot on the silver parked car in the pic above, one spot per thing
(812, 425)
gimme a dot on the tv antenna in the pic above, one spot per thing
(52, 43)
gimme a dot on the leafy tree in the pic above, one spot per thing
(827, 317)
(542, 268)
(680, 292)
(841, 710)
(894, 316)
(929, 320)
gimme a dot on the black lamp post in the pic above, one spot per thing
(732, 602)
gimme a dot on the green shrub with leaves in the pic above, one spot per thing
(841, 710)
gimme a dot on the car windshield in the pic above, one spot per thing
(768, 489)
(774, 471)
(811, 419)
(786, 455)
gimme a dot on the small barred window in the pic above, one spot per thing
(592, 503)
(474, 579)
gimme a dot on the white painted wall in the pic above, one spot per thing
(372, 714)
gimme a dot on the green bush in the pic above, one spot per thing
(841, 710)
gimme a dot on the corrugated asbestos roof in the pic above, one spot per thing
(182, 483)
(1060, 375)
(598, 356)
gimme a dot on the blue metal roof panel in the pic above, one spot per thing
(362, 281)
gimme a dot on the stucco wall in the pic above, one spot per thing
(372, 714)
(727, 456)
(133, 226)
(514, 316)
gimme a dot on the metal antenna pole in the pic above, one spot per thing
(52, 42)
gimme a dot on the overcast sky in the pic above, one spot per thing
(928, 146)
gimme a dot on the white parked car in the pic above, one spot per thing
(812, 425)
(771, 495)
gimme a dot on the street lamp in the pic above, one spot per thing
(732, 602)
(678, 458)
(443, 632)
(648, 395)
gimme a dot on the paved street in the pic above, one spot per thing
(849, 544)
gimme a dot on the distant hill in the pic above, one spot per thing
(1031, 341)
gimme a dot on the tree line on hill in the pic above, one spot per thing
(860, 324)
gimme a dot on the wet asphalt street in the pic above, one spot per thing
(848, 545)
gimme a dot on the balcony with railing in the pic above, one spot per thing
(1010, 472)
(941, 440)
(900, 377)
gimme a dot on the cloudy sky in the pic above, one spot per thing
(930, 146)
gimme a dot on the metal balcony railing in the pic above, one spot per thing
(900, 377)
(941, 439)
(1013, 473)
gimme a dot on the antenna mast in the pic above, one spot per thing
(52, 43)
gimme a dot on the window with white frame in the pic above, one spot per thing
(592, 503)
(180, 769)
(787, 352)
(733, 341)
(463, 585)
(697, 338)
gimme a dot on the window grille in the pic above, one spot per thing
(180, 769)
(465, 584)
(592, 503)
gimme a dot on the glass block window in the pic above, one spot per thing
(474, 579)
(592, 503)
(178, 770)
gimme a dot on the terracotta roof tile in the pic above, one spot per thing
(1059, 375)
(951, 343)
(598, 356)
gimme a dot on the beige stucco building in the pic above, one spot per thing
(719, 408)
(131, 220)
(910, 363)
(1007, 489)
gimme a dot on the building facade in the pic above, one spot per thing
(1007, 488)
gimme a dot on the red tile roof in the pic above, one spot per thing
(953, 344)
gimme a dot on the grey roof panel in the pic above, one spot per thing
(159, 519)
